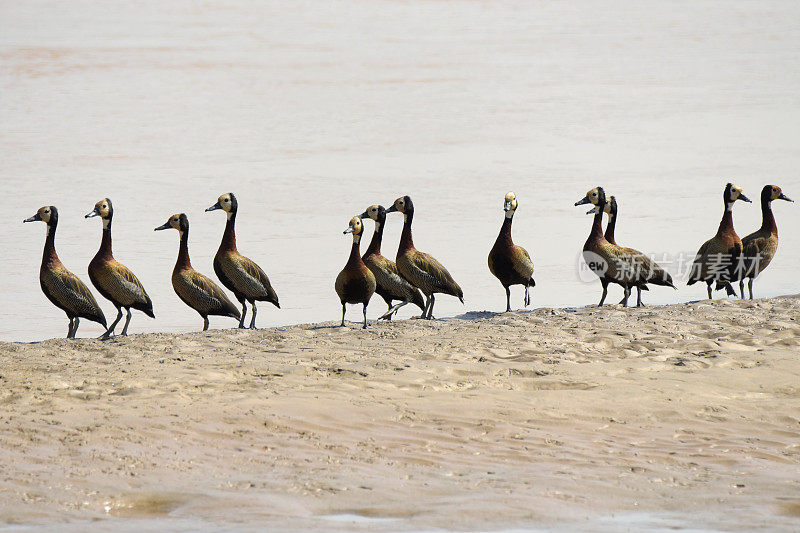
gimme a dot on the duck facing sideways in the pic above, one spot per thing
(717, 258)
(355, 284)
(112, 279)
(609, 261)
(421, 269)
(242, 276)
(509, 263)
(651, 271)
(63, 288)
(390, 285)
(760, 247)
(194, 289)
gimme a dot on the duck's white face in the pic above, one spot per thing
(372, 212)
(225, 202)
(594, 196)
(175, 221)
(776, 192)
(510, 202)
(103, 208)
(45, 213)
(736, 192)
(400, 204)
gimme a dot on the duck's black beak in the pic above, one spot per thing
(34, 218)
(392, 209)
(363, 215)
(744, 198)
(93, 213)
(592, 211)
(585, 200)
(214, 207)
(165, 225)
(348, 230)
(784, 197)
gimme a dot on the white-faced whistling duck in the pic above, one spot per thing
(421, 269)
(607, 260)
(194, 289)
(62, 287)
(113, 279)
(390, 285)
(243, 277)
(651, 272)
(509, 263)
(717, 258)
(760, 246)
(355, 284)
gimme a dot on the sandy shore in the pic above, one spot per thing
(685, 414)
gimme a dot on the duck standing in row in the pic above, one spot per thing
(421, 269)
(111, 278)
(760, 247)
(648, 270)
(390, 285)
(193, 288)
(242, 276)
(355, 284)
(509, 263)
(717, 259)
(63, 288)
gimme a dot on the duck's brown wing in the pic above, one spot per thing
(248, 278)
(67, 291)
(120, 285)
(429, 274)
(203, 295)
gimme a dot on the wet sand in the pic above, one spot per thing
(547, 418)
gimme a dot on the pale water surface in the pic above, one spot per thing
(311, 111)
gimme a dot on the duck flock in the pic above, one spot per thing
(414, 277)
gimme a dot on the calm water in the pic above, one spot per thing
(312, 112)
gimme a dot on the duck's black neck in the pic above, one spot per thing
(767, 218)
(183, 252)
(504, 237)
(49, 256)
(406, 241)
(105, 243)
(726, 224)
(610, 227)
(597, 225)
(229, 236)
(355, 254)
(377, 237)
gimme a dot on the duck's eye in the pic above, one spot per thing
(46, 211)
(105, 207)
(594, 194)
(227, 200)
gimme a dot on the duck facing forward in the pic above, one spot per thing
(760, 247)
(355, 284)
(390, 285)
(112, 279)
(421, 269)
(194, 289)
(509, 263)
(717, 258)
(242, 276)
(63, 288)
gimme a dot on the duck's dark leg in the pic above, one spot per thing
(110, 330)
(75, 327)
(709, 289)
(365, 315)
(527, 296)
(741, 288)
(750, 286)
(343, 314)
(639, 297)
(625, 298)
(508, 299)
(430, 311)
(205, 323)
(244, 313)
(253, 319)
(127, 321)
(69, 328)
(427, 306)
(604, 283)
